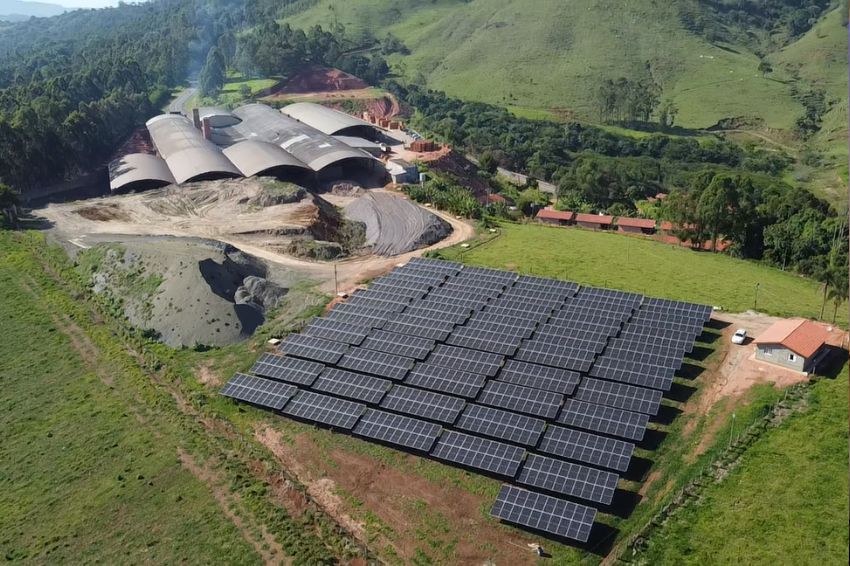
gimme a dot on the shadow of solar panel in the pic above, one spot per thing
(522, 399)
(352, 385)
(464, 359)
(446, 380)
(628, 397)
(568, 479)
(259, 391)
(516, 428)
(324, 409)
(292, 370)
(587, 447)
(376, 363)
(604, 419)
(544, 513)
(312, 348)
(426, 404)
(633, 372)
(397, 429)
(539, 377)
(479, 453)
(336, 330)
(484, 341)
(399, 344)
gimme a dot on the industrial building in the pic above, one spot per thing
(305, 143)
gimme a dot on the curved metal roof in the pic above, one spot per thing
(188, 154)
(197, 163)
(138, 168)
(307, 144)
(326, 120)
(254, 156)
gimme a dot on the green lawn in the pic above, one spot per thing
(235, 81)
(82, 478)
(785, 504)
(646, 266)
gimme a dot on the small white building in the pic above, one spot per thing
(796, 344)
(402, 172)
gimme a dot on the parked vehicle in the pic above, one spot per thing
(739, 336)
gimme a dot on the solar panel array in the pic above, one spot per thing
(539, 382)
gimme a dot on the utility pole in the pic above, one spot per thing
(756, 299)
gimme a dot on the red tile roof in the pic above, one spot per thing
(594, 218)
(666, 225)
(802, 337)
(551, 214)
(636, 222)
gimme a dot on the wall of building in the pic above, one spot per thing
(634, 230)
(776, 354)
(592, 225)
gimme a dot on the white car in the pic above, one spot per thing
(739, 336)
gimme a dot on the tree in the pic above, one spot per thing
(667, 114)
(531, 200)
(716, 207)
(765, 68)
(212, 74)
(489, 162)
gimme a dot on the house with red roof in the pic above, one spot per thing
(635, 225)
(558, 217)
(594, 221)
(796, 344)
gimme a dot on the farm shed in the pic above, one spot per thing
(796, 344)
(402, 172)
(557, 217)
(594, 221)
(636, 225)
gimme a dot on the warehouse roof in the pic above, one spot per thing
(326, 120)
(138, 168)
(253, 157)
(307, 144)
(551, 214)
(189, 156)
(802, 337)
(600, 219)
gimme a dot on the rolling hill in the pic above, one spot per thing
(552, 55)
(18, 10)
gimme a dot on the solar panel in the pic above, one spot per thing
(600, 418)
(438, 265)
(568, 479)
(628, 397)
(399, 289)
(324, 409)
(412, 329)
(284, 368)
(567, 287)
(336, 330)
(518, 322)
(454, 303)
(464, 359)
(539, 377)
(646, 356)
(352, 385)
(399, 344)
(484, 341)
(480, 453)
(378, 303)
(588, 448)
(259, 391)
(313, 348)
(544, 513)
(376, 363)
(356, 319)
(439, 312)
(633, 372)
(522, 399)
(398, 430)
(504, 329)
(514, 311)
(516, 428)
(446, 380)
(556, 357)
(427, 404)
(573, 342)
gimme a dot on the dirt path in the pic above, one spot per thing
(266, 546)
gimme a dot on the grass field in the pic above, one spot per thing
(646, 266)
(785, 504)
(537, 56)
(83, 480)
